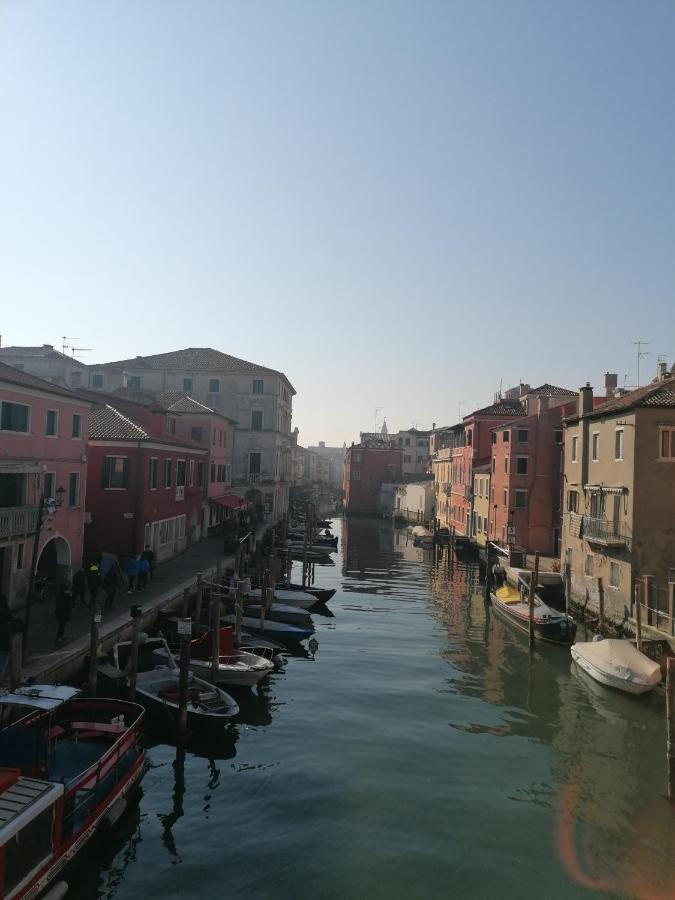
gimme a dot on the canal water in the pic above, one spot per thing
(423, 752)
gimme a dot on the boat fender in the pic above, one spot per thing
(57, 891)
(115, 812)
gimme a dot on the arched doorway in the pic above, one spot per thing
(54, 561)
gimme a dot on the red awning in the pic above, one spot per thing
(231, 501)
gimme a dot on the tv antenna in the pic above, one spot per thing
(641, 354)
(378, 409)
(73, 349)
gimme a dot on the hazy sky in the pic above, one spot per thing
(400, 205)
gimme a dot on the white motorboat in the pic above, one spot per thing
(299, 599)
(157, 685)
(422, 535)
(237, 668)
(281, 612)
(618, 664)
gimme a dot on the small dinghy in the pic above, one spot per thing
(617, 664)
(238, 668)
(422, 535)
(281, 612)
(157, 685)
(323, 595)
(299, 599)
(549, 624)
(277, 631)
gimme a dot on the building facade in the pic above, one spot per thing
(414, 445)
(43, 440)
(367, 466)
(480, 517)
(619, 524)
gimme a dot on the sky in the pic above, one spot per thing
(401, 205)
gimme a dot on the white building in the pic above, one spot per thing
(415, 446)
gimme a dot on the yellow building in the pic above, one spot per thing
(480, 517)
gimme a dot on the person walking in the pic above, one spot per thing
(149, 555)
(64, 606)
(80, 587)
(143, 572)
(132, 572)
(110, 585)
(93, 583)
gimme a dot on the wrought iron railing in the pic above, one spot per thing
(18, 520)
(605, 531)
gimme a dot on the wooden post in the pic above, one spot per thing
(186, 603)
(289, 568)
(215, 636)
(185, 631)
(671, 606)
(488, 574)
(15, 658)
(238, 609)
(568, 587)
(670, 723)
(601, 607)
(304, 556)
(133, 659)
(646, 597)
(197, 621)
(638, 617)
(534, 578)
(93, 650)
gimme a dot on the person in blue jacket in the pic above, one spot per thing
(132, 572)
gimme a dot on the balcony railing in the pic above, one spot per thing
(18, 520)
(606, 532)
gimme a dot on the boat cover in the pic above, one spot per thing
(620, 658)
(39, 696)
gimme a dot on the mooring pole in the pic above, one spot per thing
(568, 587)
(601, 607)
(670, 723)
(638, 618)
(133, 660)
(15, 658)
(238, 610)
(215, 636)
(185, 632)
(488, 574)
(198, 601)
(93, 650)
(534, 578)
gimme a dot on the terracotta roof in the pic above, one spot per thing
(500, 408)
(658, 394)
(40, 353)
(107, 423)
(550, 390)
(15, 376)
(188, 404)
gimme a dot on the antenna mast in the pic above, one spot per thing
(641, 354)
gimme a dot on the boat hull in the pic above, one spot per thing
(233, 676)
(632, 686)
(558, 630)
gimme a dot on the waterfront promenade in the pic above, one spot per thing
(45, 661)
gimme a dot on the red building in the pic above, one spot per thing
(367, 466)
(144, 488)
(527, 472)
(473, 449)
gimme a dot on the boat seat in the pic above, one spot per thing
(174, 696)
(100, 727)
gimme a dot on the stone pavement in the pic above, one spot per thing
(46, 661)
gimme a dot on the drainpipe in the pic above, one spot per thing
(138, 500)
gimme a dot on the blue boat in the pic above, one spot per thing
(277, 631)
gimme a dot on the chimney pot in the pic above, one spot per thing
(661, 370)
(585, 399)
(611, 383)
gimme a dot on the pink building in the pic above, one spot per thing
(43, 452)
(367, 466)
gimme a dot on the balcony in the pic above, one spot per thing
(605, 533)
(18, 520)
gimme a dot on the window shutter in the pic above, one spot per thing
(105, 472)
(126, 472)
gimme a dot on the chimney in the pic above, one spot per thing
(611, 383)
(433, 426)
(125, 379)
(661, 370)
(585, 399)
(542, 405)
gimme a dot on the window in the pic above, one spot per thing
(420, 460)
(407, 458)
(152, 477)
(74, 489)
(50, 485)
(521, 465)
(493, 437)
(597, 505)
(191, 473)
(595, 446)
(506, 497)
(357, 457)
(614, 575)
(258, 386)
(469, 438)
(180, 473)
(76, 430)
(407, 442)
(256, 420)
(19, 556)
(187, 384)
(167, 473)
(214, 385)
(134, 382)
(115, 472)
(573, 501)
(521, 499)
(213, 472)
(523, 435)
(15, 417)
(97, 379)
(558, 437)
(506, 465)
(200, 474)
(356, 475)
(588, 565)
(28, 848)
(505, 436)
(220, 473)
(170, 426)
(196, 433)
(254, 460)
(618, 444)
(493, 464)
(575, 448)
(52, 428)
(666, 442)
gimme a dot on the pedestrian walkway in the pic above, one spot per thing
(44, 660)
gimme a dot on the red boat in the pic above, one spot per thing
(64, 772)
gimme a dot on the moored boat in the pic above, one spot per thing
(300, 599)
(238, 668)
(277, 631)
(323, 595)
(281, 612)
(422, 535)
(617, 664)
(64, 771)
(549, 624)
